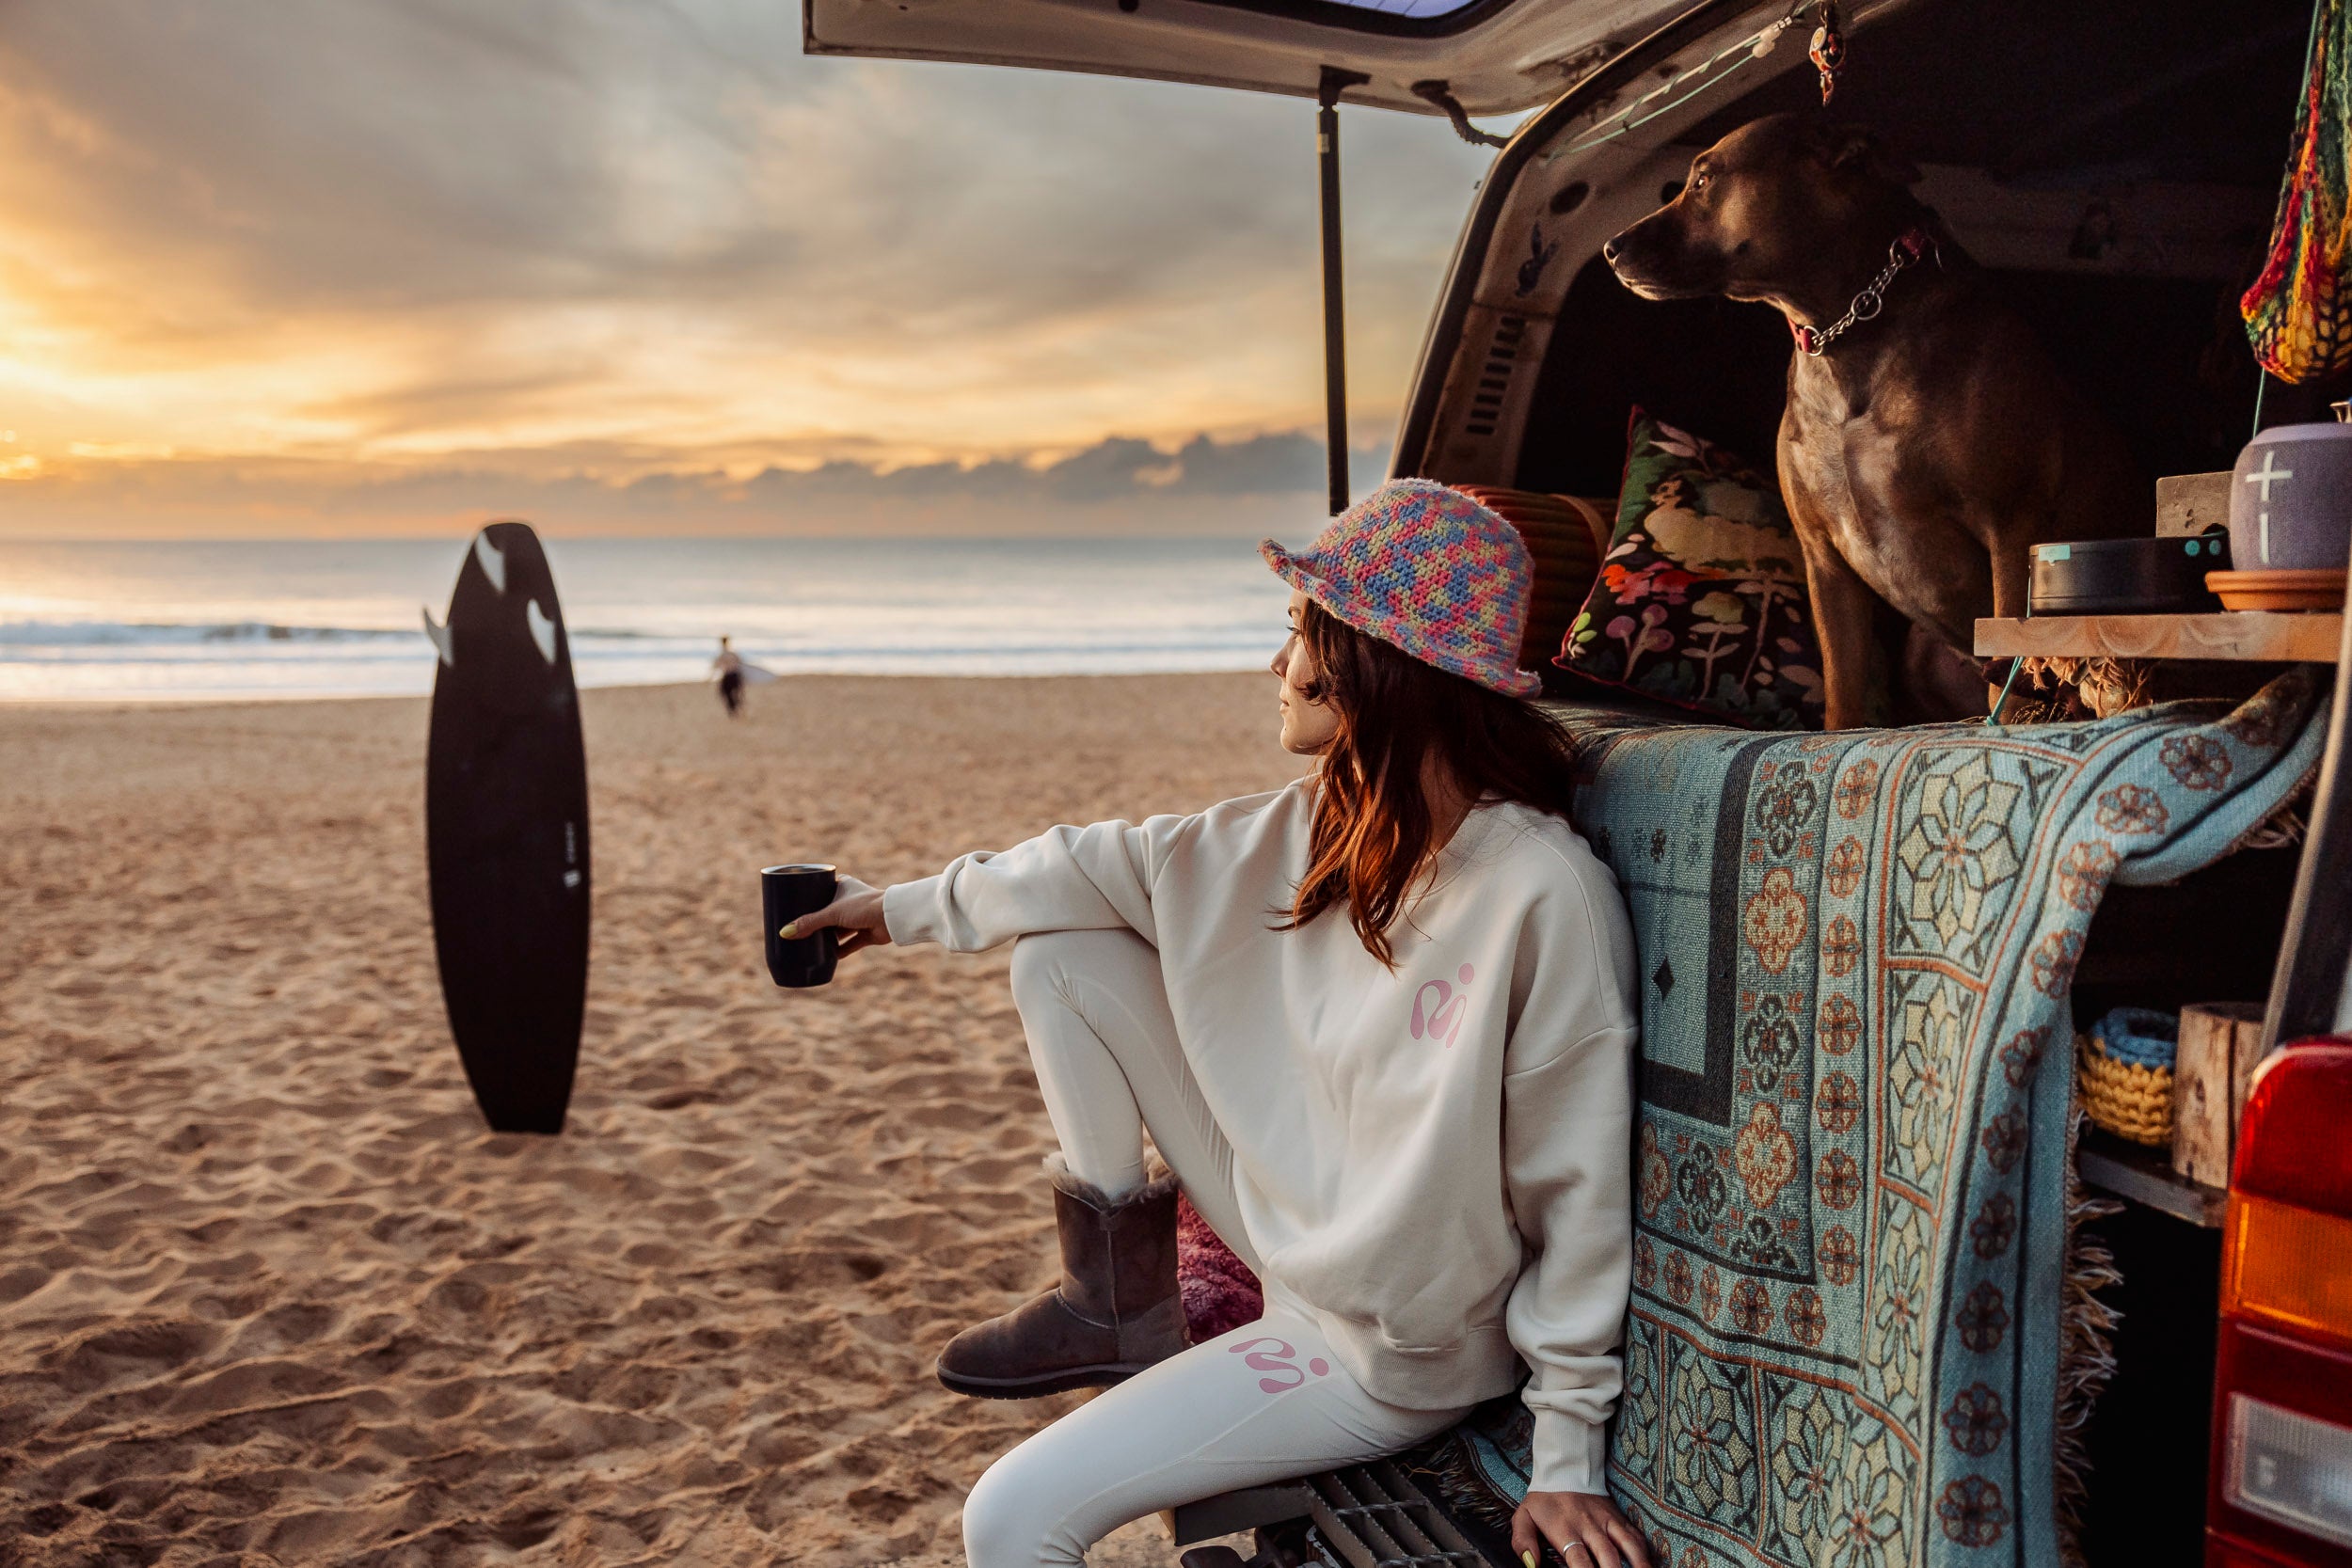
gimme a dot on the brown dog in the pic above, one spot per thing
(1928, 440)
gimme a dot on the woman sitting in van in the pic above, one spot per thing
(1379, 1025)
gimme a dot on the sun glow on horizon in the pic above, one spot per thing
(320, 267)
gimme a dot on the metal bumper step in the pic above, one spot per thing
(1361, 1516)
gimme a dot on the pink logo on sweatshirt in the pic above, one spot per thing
(1438, 1007)
(1282, 1358)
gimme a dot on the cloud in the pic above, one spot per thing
(412, 230)
(1256, 486)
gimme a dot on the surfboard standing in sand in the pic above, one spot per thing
(506, 832)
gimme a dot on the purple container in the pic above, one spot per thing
(2291, 500)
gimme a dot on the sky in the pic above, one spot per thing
(371, 267)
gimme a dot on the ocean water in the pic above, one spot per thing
(207, 620)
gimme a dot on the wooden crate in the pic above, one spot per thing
(2187, 504)
(2220, 1044)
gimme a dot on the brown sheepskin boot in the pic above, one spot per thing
(1115, 1311)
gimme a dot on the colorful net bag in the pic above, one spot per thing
(2299, 313)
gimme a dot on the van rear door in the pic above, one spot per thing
(1494, 57)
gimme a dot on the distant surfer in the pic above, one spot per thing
(728, 668)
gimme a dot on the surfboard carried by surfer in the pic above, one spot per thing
(732, 673)
(728, 669)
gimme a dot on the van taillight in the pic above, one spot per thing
(2281, 1478)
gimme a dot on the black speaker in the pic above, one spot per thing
(2128, 577)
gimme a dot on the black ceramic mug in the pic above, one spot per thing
(786, 893)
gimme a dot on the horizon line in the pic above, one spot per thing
(1250, 535)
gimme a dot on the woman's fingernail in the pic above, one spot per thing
(791, 929)
(1528, 1558)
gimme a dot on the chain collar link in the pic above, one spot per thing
(1908, 247)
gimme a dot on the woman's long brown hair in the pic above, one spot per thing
(1373, 831)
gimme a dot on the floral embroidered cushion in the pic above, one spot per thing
(1701, 600)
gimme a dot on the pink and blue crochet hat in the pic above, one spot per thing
(1427, 570)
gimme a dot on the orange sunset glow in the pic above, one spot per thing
(385, 269)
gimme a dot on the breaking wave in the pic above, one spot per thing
(125, 634)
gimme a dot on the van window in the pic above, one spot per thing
(1413, 18)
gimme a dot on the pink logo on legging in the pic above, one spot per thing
(1282, 1358)
(1438, 1008)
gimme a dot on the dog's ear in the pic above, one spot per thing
(1851, 150)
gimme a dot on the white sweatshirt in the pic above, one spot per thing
(1435, 1161)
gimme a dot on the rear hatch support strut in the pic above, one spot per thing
(1335, 82)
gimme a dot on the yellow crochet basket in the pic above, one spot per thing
(2124, 1098)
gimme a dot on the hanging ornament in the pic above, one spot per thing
(1829, 49)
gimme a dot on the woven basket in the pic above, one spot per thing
(2131, 1100)
(1567, 536)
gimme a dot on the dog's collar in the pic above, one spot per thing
(1909, 246)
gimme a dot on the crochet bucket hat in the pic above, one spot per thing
(1427, 570)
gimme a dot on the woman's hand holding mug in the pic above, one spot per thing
(857, 912)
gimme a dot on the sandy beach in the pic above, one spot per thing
(269, 1293)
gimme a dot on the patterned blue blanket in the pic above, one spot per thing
(1857, 1098)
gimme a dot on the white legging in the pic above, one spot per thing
(1263, 1403)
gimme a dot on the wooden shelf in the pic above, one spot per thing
(2316, 637)
(2141, 1175)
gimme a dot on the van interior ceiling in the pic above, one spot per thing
(2114, 164)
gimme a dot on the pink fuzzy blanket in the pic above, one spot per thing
(1220, 1294)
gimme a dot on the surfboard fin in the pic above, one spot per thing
(493, 560)
(443, 643)
(542, 629)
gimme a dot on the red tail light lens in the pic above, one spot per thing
(2296, 1143)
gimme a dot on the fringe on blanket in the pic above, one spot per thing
(1457, 1480)
(1469, 1471)
(2286, 827)
(2086, 1347)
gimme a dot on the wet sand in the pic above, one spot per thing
(269, 1293)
